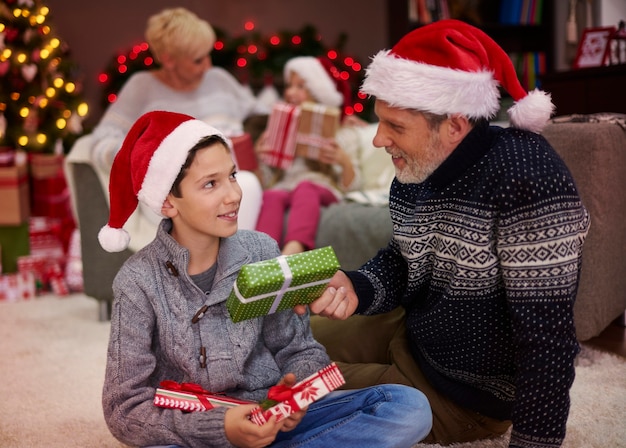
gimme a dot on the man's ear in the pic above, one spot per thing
(458, 127)
(168, 209)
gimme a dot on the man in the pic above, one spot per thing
(483, 266)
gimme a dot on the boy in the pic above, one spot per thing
(169, 320)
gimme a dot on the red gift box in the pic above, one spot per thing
(243, 147)
(292, 399)
(282, 129)
(191, 397)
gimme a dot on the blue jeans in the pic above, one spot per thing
(384, 416)
(388, 415)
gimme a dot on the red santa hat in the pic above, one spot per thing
(145, 168)
(450, 67)
(322, 78)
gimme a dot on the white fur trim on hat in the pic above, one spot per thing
(113, 240)
(413, 85)
(532, 112)
(317, 79)
(167, 160)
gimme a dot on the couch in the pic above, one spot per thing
(594, 152)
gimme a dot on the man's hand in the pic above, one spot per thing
(338, 302)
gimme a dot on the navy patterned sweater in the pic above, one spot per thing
(485, 258)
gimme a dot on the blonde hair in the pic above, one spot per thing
(178, 31)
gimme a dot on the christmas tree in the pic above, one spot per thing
(41, 107)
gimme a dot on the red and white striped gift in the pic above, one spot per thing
(282, 127)
(301, 394)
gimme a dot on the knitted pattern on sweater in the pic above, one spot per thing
(485, 258)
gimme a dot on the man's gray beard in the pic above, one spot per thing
(416, 173)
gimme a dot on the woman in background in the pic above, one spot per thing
(185, 82)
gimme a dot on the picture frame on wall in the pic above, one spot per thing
(593, 48)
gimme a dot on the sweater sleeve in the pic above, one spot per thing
(541, 275)
(381, 282)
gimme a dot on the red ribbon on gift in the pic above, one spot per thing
(191, 388)
(283, 392)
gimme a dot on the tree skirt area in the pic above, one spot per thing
(53, 353)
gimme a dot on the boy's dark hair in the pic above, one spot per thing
(204, 142)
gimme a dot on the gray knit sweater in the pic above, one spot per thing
(485, 258)
(153, 339)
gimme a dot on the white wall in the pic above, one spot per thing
(610, 12)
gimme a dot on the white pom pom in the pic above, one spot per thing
(113, 240)
(532, 112)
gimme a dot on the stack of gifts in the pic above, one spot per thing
(14, 191)
(47, 256)
(281, 283)
(283, 400)
(298, 131)
(17, 286)
(50, 193)
(15, 209)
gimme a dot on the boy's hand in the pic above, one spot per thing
(242, 432)
(292, 420)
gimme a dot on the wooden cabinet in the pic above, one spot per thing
(588, 90)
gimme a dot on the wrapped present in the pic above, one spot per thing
(282, 127)
(19, 286)
(243, 147)
(294, 398)
(191, 397)
(74, 265)
(45, 236)
(14, 193)
(286, 400)
(15, 242)
(281, 283)
(317, 124)
(51, 197)
(36, 264)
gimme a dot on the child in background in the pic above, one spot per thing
(169, 320)
(307, 185)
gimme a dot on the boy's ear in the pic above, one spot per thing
(168, 209)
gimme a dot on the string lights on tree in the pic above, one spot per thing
(257, 60)
(41, 109)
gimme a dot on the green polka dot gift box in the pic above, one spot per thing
(281, 283)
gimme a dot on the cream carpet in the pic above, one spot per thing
(53, 351)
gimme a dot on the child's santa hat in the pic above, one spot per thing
(145, 168)
(322, 78)
(450, 67)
